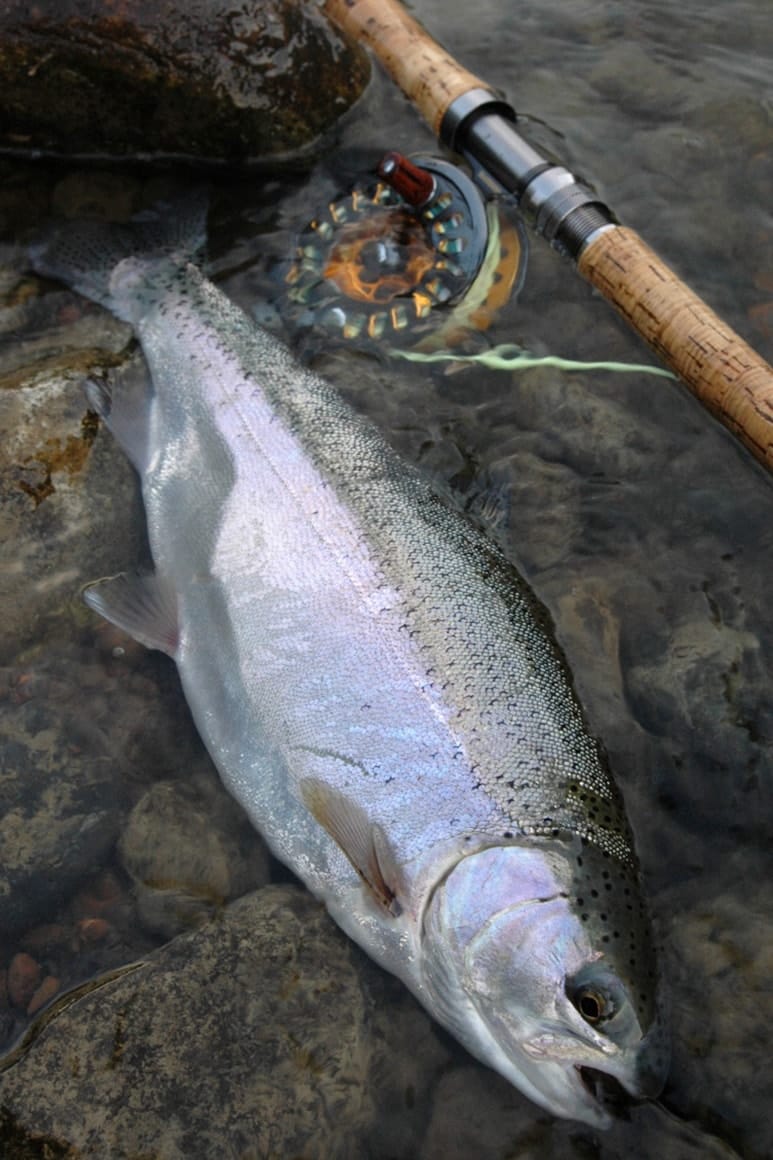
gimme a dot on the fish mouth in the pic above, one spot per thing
(615, 1090)
(607, 1092)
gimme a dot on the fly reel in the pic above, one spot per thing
(379, 264)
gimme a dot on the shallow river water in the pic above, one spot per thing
(640, 523)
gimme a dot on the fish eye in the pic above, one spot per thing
(592, 1005)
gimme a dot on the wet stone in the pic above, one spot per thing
(204, 79)
(60, 809)
(43, 994)
(478, 1115)
(721, 967)
(22, 979)
(252, 1036)
(68, 498)
(189, 850)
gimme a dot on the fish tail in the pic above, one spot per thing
(108, 263)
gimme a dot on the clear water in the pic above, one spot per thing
(640, 523)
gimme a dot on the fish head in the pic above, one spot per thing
(517, 975)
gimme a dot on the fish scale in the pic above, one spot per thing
(409, 532)
(375, 683)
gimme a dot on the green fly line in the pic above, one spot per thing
(509, 357)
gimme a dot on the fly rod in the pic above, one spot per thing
(721, 370)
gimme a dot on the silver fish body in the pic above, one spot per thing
(376, 686)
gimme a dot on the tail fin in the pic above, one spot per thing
(85, 254)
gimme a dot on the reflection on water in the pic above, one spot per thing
(640, 523)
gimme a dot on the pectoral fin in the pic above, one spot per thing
(143, 606)
(363, 842)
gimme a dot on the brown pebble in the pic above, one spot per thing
(99, 896)
(23, 979)
(28, 685)
(46, 991)
(107, 888)
(93, 930)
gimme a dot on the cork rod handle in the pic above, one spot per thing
(720, 369)
(427, 74)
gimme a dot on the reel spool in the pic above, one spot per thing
(379, 264)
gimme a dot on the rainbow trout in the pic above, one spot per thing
(375, 684)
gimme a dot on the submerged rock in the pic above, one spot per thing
(477, 1114)
(259, 1035)
(60, 808)
(189, 850)
(68, 498)
(205, 79)
(720, 959)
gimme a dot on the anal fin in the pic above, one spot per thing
(145, 606)
(363, 842)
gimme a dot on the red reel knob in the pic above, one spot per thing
(415, 185)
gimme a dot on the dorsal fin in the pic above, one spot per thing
(363, 842)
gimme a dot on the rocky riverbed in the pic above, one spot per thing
(166, 990)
